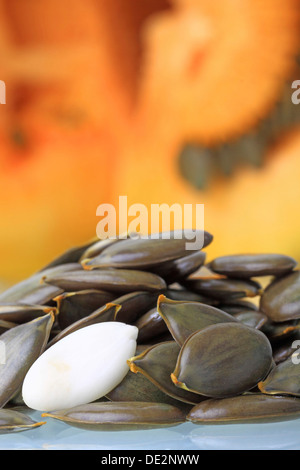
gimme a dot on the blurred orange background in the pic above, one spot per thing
(164, 101)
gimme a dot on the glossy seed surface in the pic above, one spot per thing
(184, 318)
(281, 299)
(111, 416)
(157, 363)
(250, 408)
(72, 306)
(21, 346)
(224, 289)
(284, 379)
(112, 280)
(175, 270)
(223, 360)
(142, 253)
(103, 314)
(12, 421)
(253, 265)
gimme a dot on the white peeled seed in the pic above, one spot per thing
(81, 367)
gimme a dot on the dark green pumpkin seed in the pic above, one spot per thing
(253, 265)
(136, 388)
(103, 314)
(156, 363)
(113, 416)
(72, 306)
(223, 360)
(30, 291)
(143, 253)
(14, 421)
(252, 318)
(223, 289)
(188, 295)
(23, 313)
(22, 345)
(281, 299)
(184, 318)
(277, 331)
(237, 306)
(112, 280)
(97, 247)
(150, 325)
(175, 270)
(249, 408)
(134, 305)
(284, 379)
(283, 349)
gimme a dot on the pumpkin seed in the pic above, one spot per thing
(23, 345)
(237, 306)
(113, 416)
(284, 379)
(175, 270)
(82, 367)
(150, 325)
(143, 253)
(23, 313)
(184, 318)
(283, 349)
(223, 360)
(112, 280)
(30, 291)
(14, 421)
(223, 289)
(275, 331)
(157, 363)
(253, 265)
(249, 408)
(188, 295)
(252, 318)
(134, 305)
(281, 299)
(137, 388)
(72, 306)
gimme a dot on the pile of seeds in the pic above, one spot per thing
(140, 333)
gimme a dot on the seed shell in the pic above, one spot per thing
(281, 299)
(223, 360)
(184, 318)
(73, 306)
(157, 363)
(284, 379)
(145, 253)
(222, 288)
(118, 416)
(12, 421)
(150, 325)
(103, 314)
(253, 265)
(121, 281)
(251, 408)
(23, 345)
